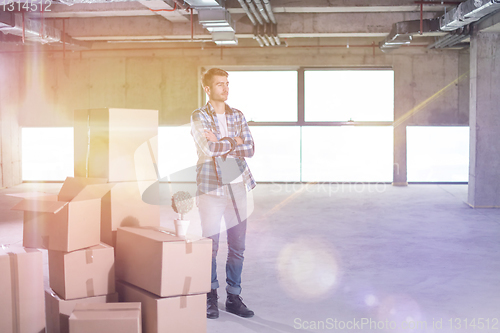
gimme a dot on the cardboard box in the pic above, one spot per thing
(82, 273)
(186, 314)
(123, 206)
(58, 310)
(69, 222)
(175, 266)
(105, 318)
(21, 290)
(117, 144)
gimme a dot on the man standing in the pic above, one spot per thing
(223, 140)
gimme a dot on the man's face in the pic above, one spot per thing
(219, 89)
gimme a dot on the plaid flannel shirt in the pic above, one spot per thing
(211, 154)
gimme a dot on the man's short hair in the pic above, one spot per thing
(207, 77)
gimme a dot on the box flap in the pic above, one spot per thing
(74, 185)
(161, 234)
(93, 192)
(107, 306)
(107, 311)
(14, 248)
(42, 206)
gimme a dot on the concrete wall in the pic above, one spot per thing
(427, 82)
(11, 83)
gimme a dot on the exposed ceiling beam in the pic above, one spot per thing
(114, 9)
(290, 25)
(348, 9)
(334, 4)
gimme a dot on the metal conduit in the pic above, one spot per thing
(269, 10)
(262, 11)
(254, 11)
(245, 8)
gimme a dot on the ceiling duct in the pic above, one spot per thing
(467, 12)
(34, 30)
(213, 16)
(207, 4)
(402, 33)
(224, 38)
(215, 20)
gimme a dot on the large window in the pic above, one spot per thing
(347, 153)
(176, 153)
(343, 95)
(311, 125)
(277, 153)
(438, 153)
(47, 153)
(264, 95)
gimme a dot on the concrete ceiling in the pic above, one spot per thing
(136, 21)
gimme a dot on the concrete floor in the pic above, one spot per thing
(356, 255)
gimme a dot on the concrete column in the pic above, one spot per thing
(484, 164)
(399, 177)
(10, 139)
(403, 102)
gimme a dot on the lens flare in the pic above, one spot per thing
(402, 310)
(308, 269)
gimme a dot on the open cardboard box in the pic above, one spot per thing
(68, 222)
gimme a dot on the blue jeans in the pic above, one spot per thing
(212, 208)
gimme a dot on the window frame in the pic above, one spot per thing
(301, 96)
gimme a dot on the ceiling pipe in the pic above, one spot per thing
(254, 11)
(262, 11)
(440, 41)
(182, 4)
(264, 33)
(275, 34)
(271, 40)
(245, 9)
(259, 40)
(269, 10)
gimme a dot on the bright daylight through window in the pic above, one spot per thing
(288, 151)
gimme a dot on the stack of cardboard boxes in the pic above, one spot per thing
(98, 215)
(173, 291)
(168, 275)
(68, 225)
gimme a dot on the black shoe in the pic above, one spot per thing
(212, 306)
(235, 305)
